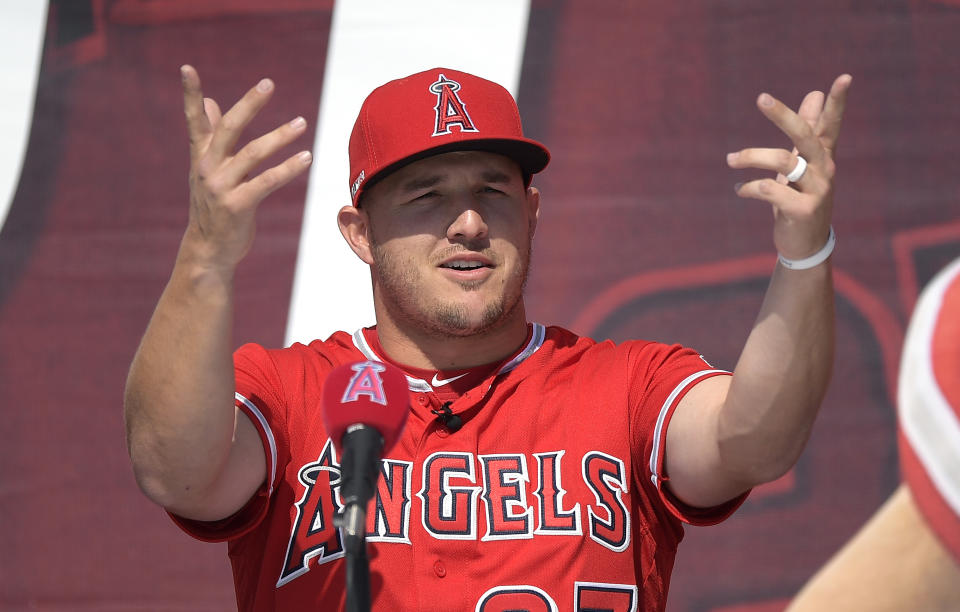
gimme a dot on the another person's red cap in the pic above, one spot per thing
(433, 112)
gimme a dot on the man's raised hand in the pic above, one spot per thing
(803, 209)
(223, 194)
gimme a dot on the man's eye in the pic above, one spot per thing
(426, 196)
(491, 190)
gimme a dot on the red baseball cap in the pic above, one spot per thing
(432, 112)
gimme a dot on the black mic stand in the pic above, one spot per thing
(359, 470)
(358, 566)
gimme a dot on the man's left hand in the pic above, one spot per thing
(802, 209)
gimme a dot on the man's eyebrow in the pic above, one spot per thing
(495, 176)
(431, 180)
(421, 182)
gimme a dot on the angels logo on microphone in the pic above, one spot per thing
(450, 108)
(366, 381)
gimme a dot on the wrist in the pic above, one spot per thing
(198, 265)
(814, 260)
(203, 257)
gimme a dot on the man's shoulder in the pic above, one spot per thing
(562, 338)
(336, 349)
(565, 346)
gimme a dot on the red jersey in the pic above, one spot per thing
(549, 496)
(929, 406)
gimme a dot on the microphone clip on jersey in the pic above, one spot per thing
(445, 415)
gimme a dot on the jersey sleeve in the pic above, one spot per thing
(259, 396)
(928, 406)
(662, 376)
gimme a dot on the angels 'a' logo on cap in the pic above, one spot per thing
(450, 108)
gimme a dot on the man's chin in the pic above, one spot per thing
(464, 327)
(461, 320)
(470, 286)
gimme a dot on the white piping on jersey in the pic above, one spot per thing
(419, 385)
(536, 341)
(415, 384)
(360, 342)
(928, 421)
(270, 439)
(662, 417)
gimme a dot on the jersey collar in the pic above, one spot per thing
(420, 385)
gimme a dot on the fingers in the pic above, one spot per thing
(811, 107)
(813, 129)
(223, 202)
(828, 127)
(276, 177)
(793, 125)
(198, 126)
(783, 198)
(213, 111)
(776, 160)
(231, 125)
(256, 151)
(809, 111)
(802, 209)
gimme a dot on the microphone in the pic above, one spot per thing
(445, 415)
(365, 406)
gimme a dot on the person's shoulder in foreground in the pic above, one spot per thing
(907, 556)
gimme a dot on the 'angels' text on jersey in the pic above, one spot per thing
(458, 489)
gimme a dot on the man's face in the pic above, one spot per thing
(450, 239)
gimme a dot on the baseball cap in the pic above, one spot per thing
(432, 112)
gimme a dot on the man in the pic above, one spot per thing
(907, 556)
(537, 470)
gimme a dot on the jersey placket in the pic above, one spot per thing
(448, 490)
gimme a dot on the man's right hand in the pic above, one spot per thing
(224, 194)
(192, 450)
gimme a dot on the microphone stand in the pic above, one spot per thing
(353, 521)
(360, 469)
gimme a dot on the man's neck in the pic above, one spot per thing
(414, 347)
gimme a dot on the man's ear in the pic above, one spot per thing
(533, 202)
(355, 227)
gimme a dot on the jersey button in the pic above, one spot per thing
(443, 432)
(422, 399)
(439, 569)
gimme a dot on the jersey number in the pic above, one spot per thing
(588, 597)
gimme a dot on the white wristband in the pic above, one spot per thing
(814, 260)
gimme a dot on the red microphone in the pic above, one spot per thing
(365, 407)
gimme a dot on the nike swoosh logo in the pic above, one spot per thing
(436, 382)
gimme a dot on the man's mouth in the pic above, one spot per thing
(458, 264)
(466, 262)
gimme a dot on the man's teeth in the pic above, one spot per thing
(464, 265)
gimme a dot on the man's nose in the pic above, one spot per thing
(468, 225)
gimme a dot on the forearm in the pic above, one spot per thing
(781, 376)
(178, 404)
(729, 435)
(895, 562)
(192, 451)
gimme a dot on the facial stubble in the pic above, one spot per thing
(398, 280)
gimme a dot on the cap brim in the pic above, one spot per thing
(530, 155)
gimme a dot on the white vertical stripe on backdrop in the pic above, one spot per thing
(371, 42)
(22, 27)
